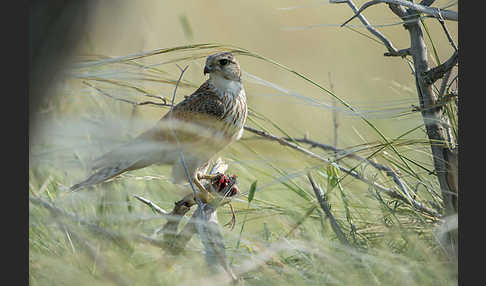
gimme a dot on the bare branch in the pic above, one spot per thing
(399, 11)
(390, 192)
(177, 83)
(427, 2)
(322, 201)
(432, 75)
(392, 51)
(152, 205)
(366, 5)
(399, 53)
(437, 12)
(334, 113)
(148, 95)
(446, 31)
(126, 100)
(445, 80)
(341, 153)
(155, 96)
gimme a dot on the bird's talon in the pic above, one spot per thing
(232, 222)
(203, 194)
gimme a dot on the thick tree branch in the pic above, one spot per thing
(433, 119)
(399, 11)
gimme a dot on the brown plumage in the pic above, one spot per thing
(199, 126)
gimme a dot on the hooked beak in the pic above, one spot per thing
(207, 69)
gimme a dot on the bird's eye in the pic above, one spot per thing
(223, 62)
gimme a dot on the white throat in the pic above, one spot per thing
(226, 85)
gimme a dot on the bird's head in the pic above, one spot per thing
(223, 65)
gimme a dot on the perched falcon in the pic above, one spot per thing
(198, 127)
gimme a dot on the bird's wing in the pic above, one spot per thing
(204, 101)
(198, 115)
(183, 126)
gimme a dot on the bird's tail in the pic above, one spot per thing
(102, 175)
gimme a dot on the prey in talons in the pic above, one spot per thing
(221, 189)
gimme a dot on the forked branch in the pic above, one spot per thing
(392, 51)
(436, 12)
(439, 71)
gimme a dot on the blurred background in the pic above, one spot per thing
(74, 122)
(302, 35)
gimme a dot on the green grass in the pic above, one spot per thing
(282, 236)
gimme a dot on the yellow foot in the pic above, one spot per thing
(203, 194)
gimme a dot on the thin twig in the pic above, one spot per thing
(446, 31)
(334, 113)
(177, 84)
(155, 96)
(181, 155)
(152, 205)
(391, 49)
(322, 201)
(390, 192)
(117, 83)
(343, 153)
(126, 100)
(357, 13)
(188, 176)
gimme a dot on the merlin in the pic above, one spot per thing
(190, 134)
